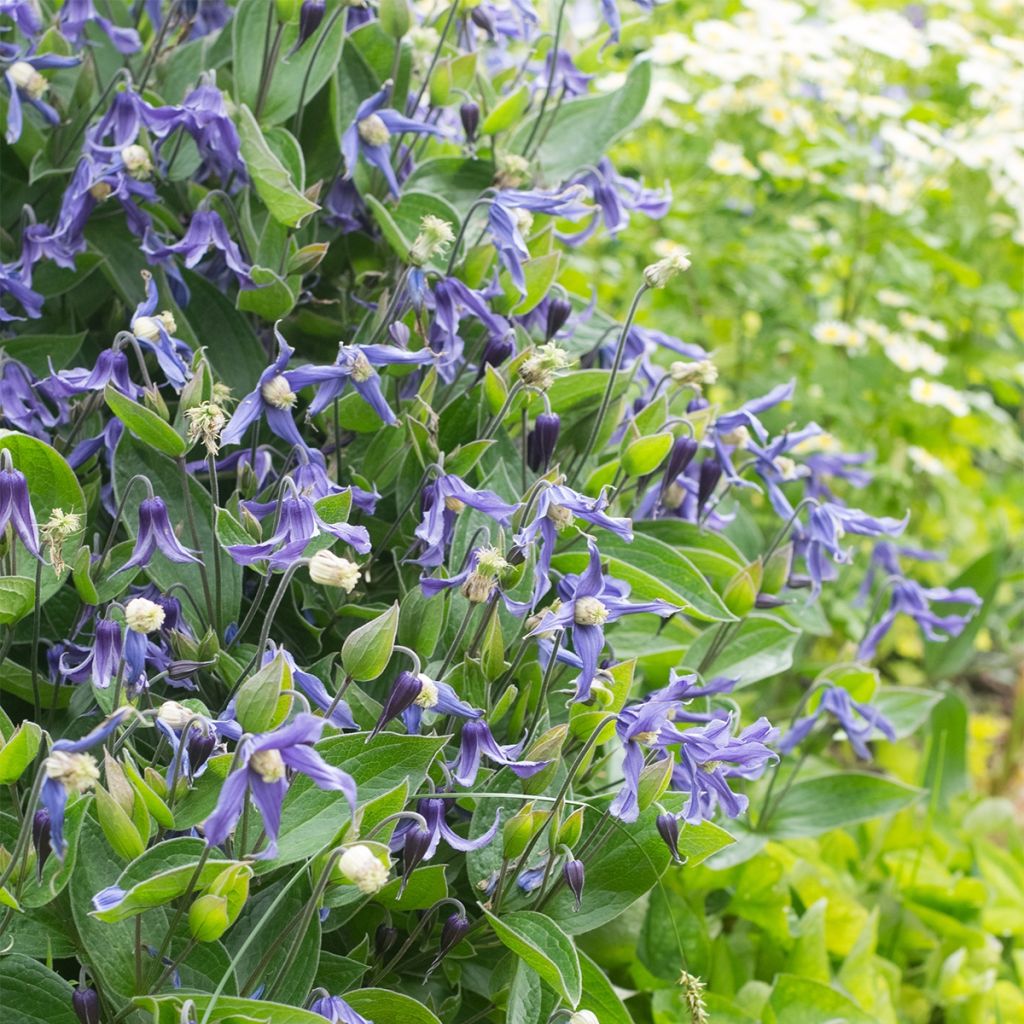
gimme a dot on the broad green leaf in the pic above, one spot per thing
(803, 1001)
(539, 942)
(388, 1006)
(273, 184)
(273, 298)
(460, 180)
(368, 649)
(145, 424)
(599, 996)
(674, 936)
(646, 454)
(166, 1009)
(813, 806)
(581, 130)
(17, 598)
(507, 112)
(761, 647)
(39, 351)
(32, 994)
(946, 772)
(17, 752)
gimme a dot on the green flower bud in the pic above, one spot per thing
(208, 918)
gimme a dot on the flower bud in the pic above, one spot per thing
(452, 933)
(469, 114)
(311, 13)
(741, 591)
(360, 865)
(86, 1004)
(27, 79)
(679, 457)
(143, 616)
(574, 876)
(384, 938)
(518, 831)
(208, 918)
(668, 829)
(777, 569)
(200, 746)
(406, 688)
(571, 829)
(541, 442)
(154, 401)
(657, 275)
(496, 351)
(559, 311)
(417, 843)
(583, 1017)
(41, 839)
(330, 570)
(710, 474)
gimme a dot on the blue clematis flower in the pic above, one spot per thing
(616, 197)
(443, 500)
(858, 720)
(478, 580)
(99, 663)
(356, 365)
(261, 771)
(558, 507)
(370, 134)
(511, 213)
(439, 698)
(477, 743)
(433, 810)
(610, 10)
(299, 523)
(20, 404)
(206, 233)
(155, 534)
(16, 281)
(452, 301)
(111, 367)
(16, 509)
(69, 769)
(712, 754)
(336, 1010)
(24, 14)
(25, 84)
(313, 688)
(587, 602)
(76, 14)
(273, 398)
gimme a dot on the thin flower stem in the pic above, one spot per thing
(190, 516)
(211, 463)
(553, 58)
(36, 613)
(496, 421)
(463, 626)
(183, 902)
(335, 14)
(620, 349)
(545, 685)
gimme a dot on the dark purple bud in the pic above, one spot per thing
(311, 13)
(668, 829)
(697, 403)
(86, 1004)
(41, 838)
(185, 668)
(558, 313)
(540, 444)
(574, 877)
(483, 20)
(417, 843)
(470, 115)
(384, 938)
(405, 690)
(496, 351)
(679, 457)
(453, 932)
(200, 746)
(768, 601)
(710, 474)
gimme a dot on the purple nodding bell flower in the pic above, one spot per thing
(680, 456)
(858, 721)
(86, 1004)
(273, 398)
(313, 688)
(668, 829)
(26, 84)
(441, 699)
(41, 839)
(155, 534)
(76, 14)
(262, 765)
(404, 691)
(469, 115)
(371, 131)
(558, 313)
(152, 331)
(541, 441)
(16, 509)
(311, 13)
(710, 474)
(453, 931)
(588, 602)
(206, 231)
(336, 1010)
(574, 876)
(476, 743)
(443, 499)
(497, 349)
(100, 662)
(432, 809)
(69, 769)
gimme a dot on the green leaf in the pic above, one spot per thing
(32, 994)
(149, 428)
(538, 274)
(582, 130)
(17, 598)
(166, 1009)
(507, 112)
(272, 299)
(762, 647)
(525, 996)
(802, 1001)
(655, 571)
(18, 752)
(39, 351)
(287, 205)
(818, 805)
(646, 454)
(386, 1007)
(599, 996)
(368, 649)
(460, 180)
(52, 484)
(159, 875)
(539, 942)
(946, 772)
